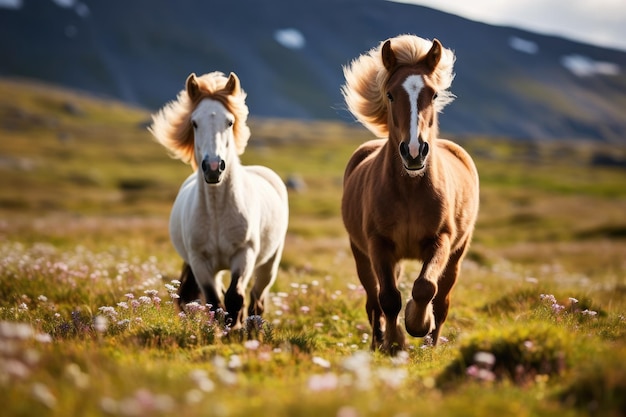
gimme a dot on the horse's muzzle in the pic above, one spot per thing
(414, 163)
(213, 167)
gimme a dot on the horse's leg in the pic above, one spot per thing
(241, 269)
(387, 269)
(265, 275)
(372, 305)
(441, 303)
(419, 318)
(188, 290)
(205, 278)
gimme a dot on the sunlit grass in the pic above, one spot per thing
(88, 324)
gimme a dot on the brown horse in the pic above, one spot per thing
(410, 196)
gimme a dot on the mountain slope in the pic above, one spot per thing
(142, 51)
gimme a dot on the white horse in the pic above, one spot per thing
(226, 216)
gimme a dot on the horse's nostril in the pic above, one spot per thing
(204, 165)
(222, 165)
(404, 149)
(424, 149)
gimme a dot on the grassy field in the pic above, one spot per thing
(88, 327)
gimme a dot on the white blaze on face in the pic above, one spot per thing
(413, 85)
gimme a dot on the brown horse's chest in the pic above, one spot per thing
(409, 220)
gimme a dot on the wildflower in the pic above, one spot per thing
(129, 295)
(145, 300)
(77, 376)
(486, 359)
(401, 358)
(43, 338)
(328, 381)
(202, 380)
(123, 323)
(588, 312)
(480, 374)
(548, 298)
(22, 307)
(175, 282)
(109, 311)
(359, 365)
(135, 304)
(557, 308)
(170, 288)
(321, 362)
(42, 394)
(42, 298)
(194, 307)
(151, 293)
(305, 309)
(123, 305)
(573, 300)
(252, 344)
(392, 377)
(225, 375)
(235, 362)
(11, 330)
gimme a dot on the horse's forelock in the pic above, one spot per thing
(366, 78)
(213, 86)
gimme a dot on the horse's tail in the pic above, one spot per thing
(188, 290)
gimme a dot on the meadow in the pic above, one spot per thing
(88, 278)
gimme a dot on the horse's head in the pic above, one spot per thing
(411, 110)
(213, 128)
(206, 124)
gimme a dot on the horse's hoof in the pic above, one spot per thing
(419, 321)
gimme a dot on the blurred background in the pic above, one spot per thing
(536, 71)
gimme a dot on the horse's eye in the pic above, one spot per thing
(389, 96)
(230, 123)
(435, 96)
(194, 124)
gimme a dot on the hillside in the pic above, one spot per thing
(88, 327)
(289, 55)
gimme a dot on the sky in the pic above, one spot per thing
(597, 22)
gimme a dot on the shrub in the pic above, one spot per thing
(518, 353)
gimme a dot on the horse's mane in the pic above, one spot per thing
(366, 77)
(171, 126)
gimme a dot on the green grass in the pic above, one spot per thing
(87, 325)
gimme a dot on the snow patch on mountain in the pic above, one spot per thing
(523, 45)
(290, 38)
(583, 66)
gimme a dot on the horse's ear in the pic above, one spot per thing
(193, 90)
(389, 57)
(233, 86)
(434, 55)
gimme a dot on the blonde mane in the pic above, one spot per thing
(171, 126)
(366, 77)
